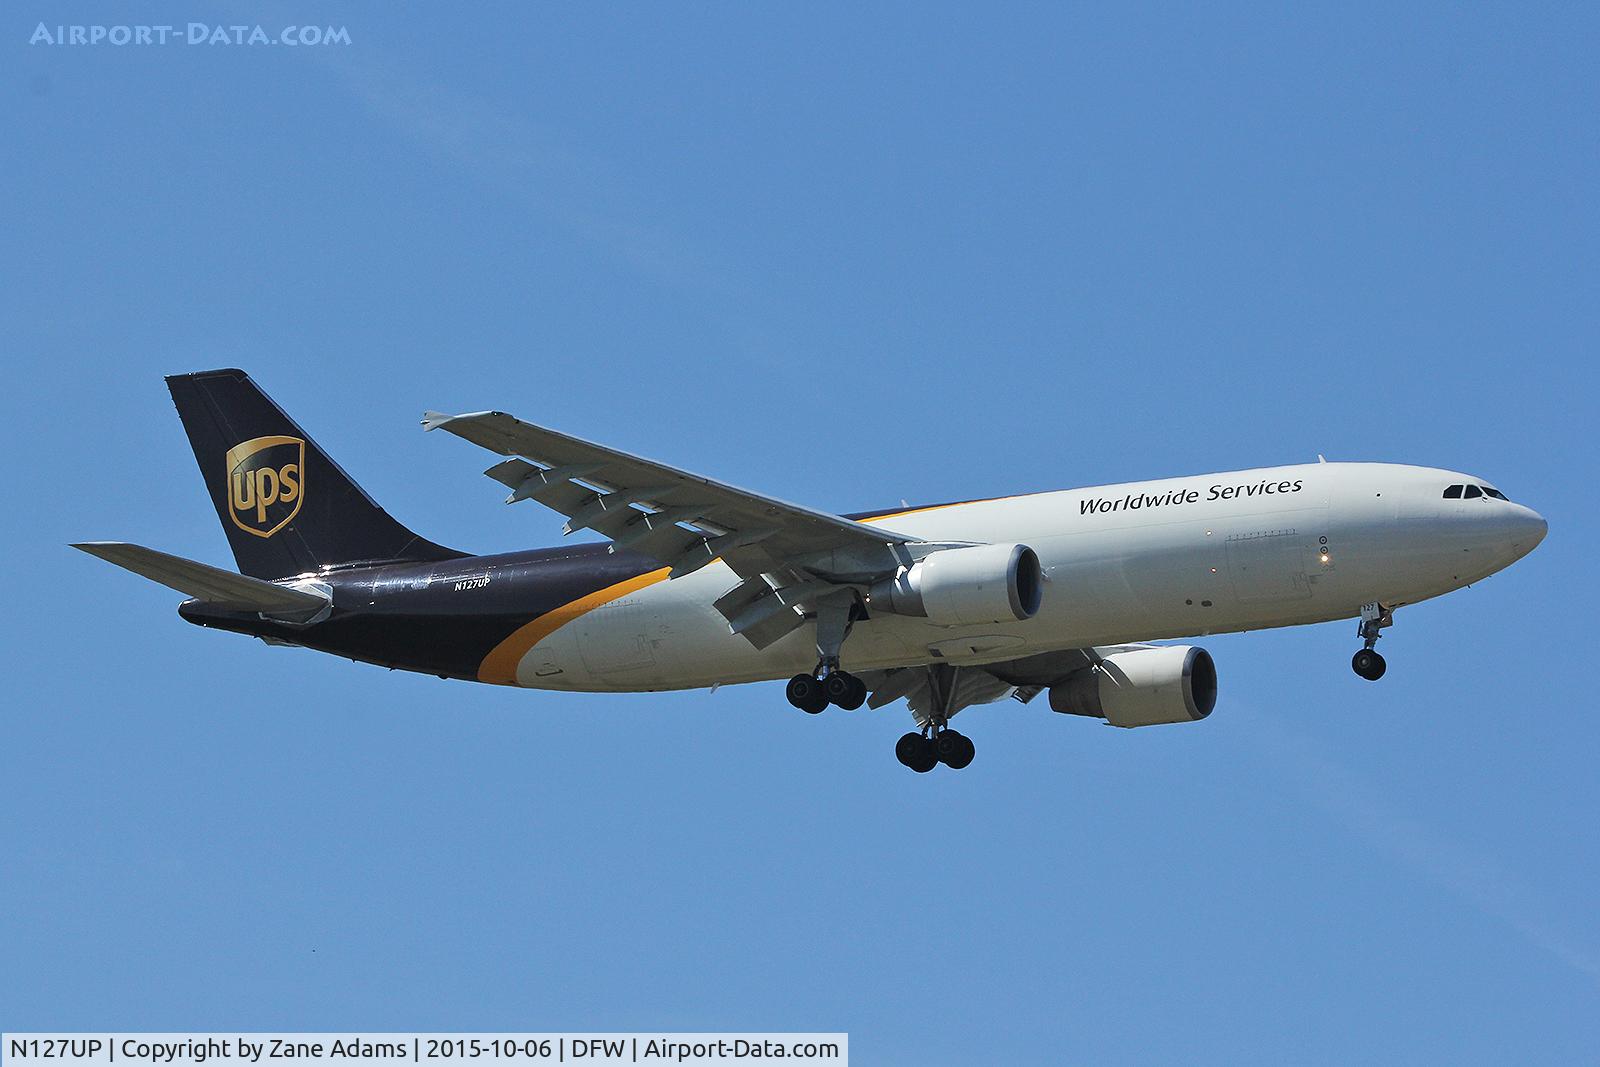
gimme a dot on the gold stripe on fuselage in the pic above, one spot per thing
(499, 667)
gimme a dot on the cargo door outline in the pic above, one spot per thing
(612, 639)
(1268, 566)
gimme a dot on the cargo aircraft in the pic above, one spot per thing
(701, 584)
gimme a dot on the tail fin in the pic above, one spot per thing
(286, 507)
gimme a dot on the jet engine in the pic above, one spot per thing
(1142, 687)
(960, 586)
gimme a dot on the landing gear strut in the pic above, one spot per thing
(827, 683)
(1368, 662)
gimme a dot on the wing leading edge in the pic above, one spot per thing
(788, 557)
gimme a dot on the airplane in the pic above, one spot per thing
(700, 584)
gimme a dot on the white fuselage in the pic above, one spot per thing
(1179, 557)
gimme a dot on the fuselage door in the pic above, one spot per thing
(614, 638)
(1268, 565)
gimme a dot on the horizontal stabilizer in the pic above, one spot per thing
(211, 584)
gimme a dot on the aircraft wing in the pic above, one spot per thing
(926, 689)
(940, 685)
(788, 555)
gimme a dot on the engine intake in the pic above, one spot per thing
(1142, 687)
(961, 586)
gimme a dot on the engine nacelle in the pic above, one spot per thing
(1142, 687)
(961, 586)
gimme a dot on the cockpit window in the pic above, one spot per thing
(1473, 492)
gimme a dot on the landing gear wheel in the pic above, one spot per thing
(959, 752)
(954, 750)
(915, 751)
(845, 690)
(1369, 664)
(806, 693)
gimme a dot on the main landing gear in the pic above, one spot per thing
(922, 752)
(1369, 663)
(839, 688)
(937, 743)
(827, 684)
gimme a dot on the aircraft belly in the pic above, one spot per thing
(682, 645)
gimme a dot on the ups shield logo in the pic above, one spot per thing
(266, 483)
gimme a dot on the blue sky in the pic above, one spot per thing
(846, 255)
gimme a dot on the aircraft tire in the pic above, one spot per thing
(915, 751)
(1369, 664)
(806, 693)
(845, 690)
(962, 750)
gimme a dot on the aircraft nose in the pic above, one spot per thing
(1531, 528)
(1524, 529)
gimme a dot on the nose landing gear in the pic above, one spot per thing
(1368, 662)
